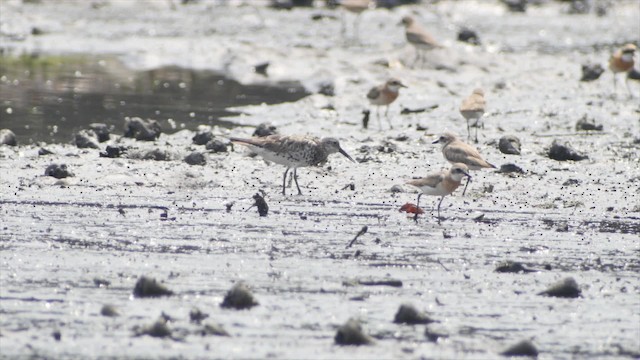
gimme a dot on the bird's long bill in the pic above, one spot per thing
(345, 154)
(437, 141)
(403, 85)
(467, 174)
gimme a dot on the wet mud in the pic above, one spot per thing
(341, 256)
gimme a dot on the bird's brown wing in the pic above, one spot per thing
(419, 36)
(431, 180)
(473, 103)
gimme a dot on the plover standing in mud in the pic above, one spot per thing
(293, 151)
(457, 151)
(473, 107)
(440, 183)
(418, 37)
(384, 95)
(622, 61)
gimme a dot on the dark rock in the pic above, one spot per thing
(202, 137)
(512, 267)
(112, 151)
(157, 154)
(158, 329)
(7, 137)
(58, 171)
(216, 146)
(509, 144)
(591, 72)
(239, 297)
(57, 335)
(101, 282)
(195, 158)
(261, 68)
(408, 314)
(351, 334)
(523, 348)
(36, 31)
(148, 287)
(109, 311)
(633, 74)
(139, 129)
(43, 151)
(213, 329)
(102, 131)
(86, 139)
(587, 124)
(326, 88)
(565, 288)
(516, 5)
(263, 208)
(196, 316)
(510, 168)
(571, 182)
(580, 7)
(564, 152)
(265, 129)
(468, 36)
(434, 336)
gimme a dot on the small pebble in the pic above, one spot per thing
(565, 288)
(265, 129)
(101, 130)
(58, 171)
(586, 124)
(43, 152)
(239, 297)
(112, 151)
(511, 267)
(564, 152)
(216, 146)
(196, 316)
(468, 36)
(196, 158)
(109, 311)
(261, 68)
(523, 348)
(202, 137)
(86, 139)
(351, 333)
(7, 137)
(591, 72)
(144, 130)
(157, 155)
(509, 144)
(148, 287)
(434, 336)
(57, 335)
(510, 168)
(213, 329)
(408, 314)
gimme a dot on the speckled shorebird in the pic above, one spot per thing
(384, 95)
(622, 61)
(293, 151)
(473, 107)
(440, 183)
(418, 37)
(457, 151)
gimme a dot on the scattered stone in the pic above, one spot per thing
(7, 137)
(591, 72)
(195, 158)
(202, 137)
(144, 130)
(101, 282)
(468, 36)
(510, 168)
(239, 297)
(523, 348)
(43, 152)
(58, 171)
(265, 129)
(564, 152)
(327, 88)
(157, 155)
(579, 7)
(112, 151)
(434, 336)
(109, 311)
(351, 334)
(516, 5)
(509, 144)
(261, 68)
(158, 329)
(213, 329)
(57, 335)
(390, 282)
(101, 130)
(36, 31)
(571, 182)
(148, 287)
(396, 189)
(86, 139)
(216, 146)
(261, 203)
(633, 74)
(586, 124)
(512, 267)
(408, 314)
(565, 288)
(196, 316)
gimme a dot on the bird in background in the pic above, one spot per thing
(421, 40)
(357, 7)
(384, 95)
(293, 151)
(441, 183)
(473, 108)
(456, 151)
(622, 62)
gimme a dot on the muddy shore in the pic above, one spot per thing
(70, 246)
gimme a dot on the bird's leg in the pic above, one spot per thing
(477, 121)
(356, 27)
(284, 181)
(468, 131)
(295, 178)
(465, 186)
(415, 216)
(626, 81)
(440, 203)
(386, 114)
(378, 116)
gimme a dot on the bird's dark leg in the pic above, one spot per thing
(439, 203)
(386, 114)
(284, 181)
(415, 216)
(378, 116)
(465, 186)
(468, 130)
(477, 125)
(295, 179)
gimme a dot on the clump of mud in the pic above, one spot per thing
(239, 297)
(148, 287)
